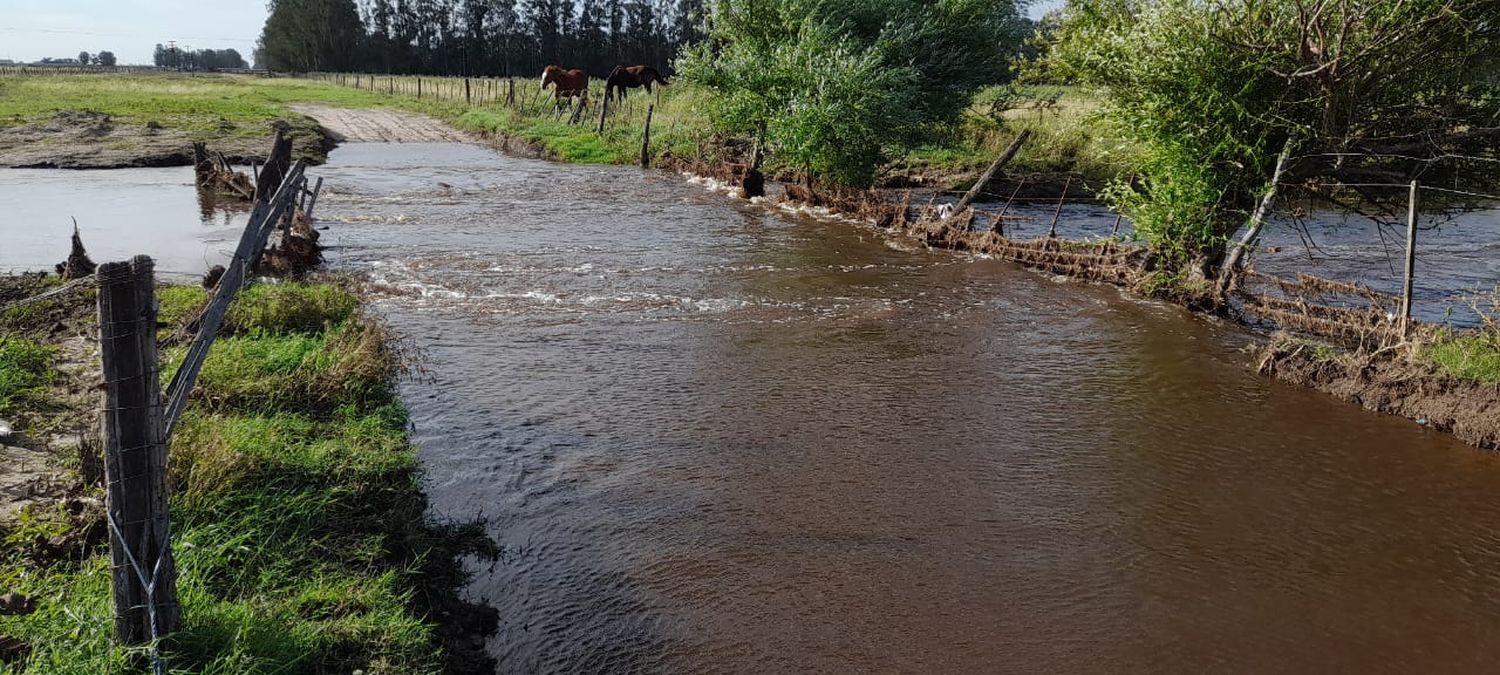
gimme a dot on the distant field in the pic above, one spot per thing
(229, 109)
(206, 106)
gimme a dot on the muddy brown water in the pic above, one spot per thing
(711, 437)
(714, 437)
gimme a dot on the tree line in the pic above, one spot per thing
(475, 37)
(197, 59)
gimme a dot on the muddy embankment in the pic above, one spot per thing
(1394, 383)
(84, 139)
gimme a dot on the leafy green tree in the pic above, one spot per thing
(1364, 91)
(105, 58)
(832, 86)
(84, 58)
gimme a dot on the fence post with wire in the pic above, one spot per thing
(137, 419)
(143, 576)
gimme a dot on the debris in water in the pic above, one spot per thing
(211, 280)
(6, 429)
(78, 264)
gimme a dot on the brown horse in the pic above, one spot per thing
(623, 78)
(566, 83)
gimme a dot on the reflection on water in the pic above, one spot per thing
(710, 438)
(120, 212)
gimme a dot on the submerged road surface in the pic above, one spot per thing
(714, 438)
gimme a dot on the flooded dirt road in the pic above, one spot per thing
(714, 438)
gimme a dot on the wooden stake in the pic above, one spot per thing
(1052, 232)
(313, 201)
(1411, 259)
(646, 140)
(603, 111)
(468, 95)
(984, 179)
(143, 575)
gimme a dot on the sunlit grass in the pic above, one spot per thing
(1474, 356)
(25, 373)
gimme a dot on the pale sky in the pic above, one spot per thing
(32, 29)
(1037, 9)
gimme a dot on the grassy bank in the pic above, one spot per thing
(238, 111)
(298, 519)
(1471, 356)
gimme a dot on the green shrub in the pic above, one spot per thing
(834, 86)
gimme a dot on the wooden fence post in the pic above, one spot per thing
(603, 111)
(313, 201)
(1411, 259)
(1052, 232)
(984, 179)
(646, 139)
(419, 88)
(468, 94)
(143, 576)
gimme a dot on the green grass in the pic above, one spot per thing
(1474, 356)
(298, 516)
(1066, 138)
(206, 106)
(265, 308)
(25, 373)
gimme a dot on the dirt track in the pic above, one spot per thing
(373, 125)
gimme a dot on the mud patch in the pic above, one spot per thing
(1391, 382)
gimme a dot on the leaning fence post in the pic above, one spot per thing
(1411, 259)
(143, 576)
(1052, 231)
(313, 200)
(984, 179)
(468, 95)
(646, 139)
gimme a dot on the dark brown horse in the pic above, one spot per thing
(624, 78)
(566, 83)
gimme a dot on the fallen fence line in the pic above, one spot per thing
(266, 217)
(137, 420)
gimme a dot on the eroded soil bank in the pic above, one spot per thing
(1394, 383)
(82, 139)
